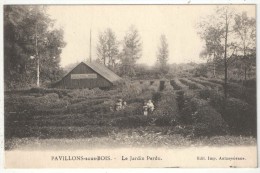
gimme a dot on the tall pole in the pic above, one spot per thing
(225, 56)
(90, 46)
(37, 56)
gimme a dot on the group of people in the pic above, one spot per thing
(148, 106)
(120, 104)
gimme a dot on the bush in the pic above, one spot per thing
(168, 86)
(217, 100)
(205, 93)
(131, 90)
(207, 121)
(186, 108)
(243, 93)
(167, 106)
(240, 116)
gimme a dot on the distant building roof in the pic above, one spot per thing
(103, 71)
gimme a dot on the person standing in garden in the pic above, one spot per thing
(150, 106)
(145, 109)
(119, 104)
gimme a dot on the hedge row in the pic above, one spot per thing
(177, 85)
(238, 91)
(217, 81)
(192, 85)
(206, 83)
(239, 115)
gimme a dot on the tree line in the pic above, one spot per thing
(121, 56)
(229, 42)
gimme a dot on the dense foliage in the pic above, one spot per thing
(28, 36)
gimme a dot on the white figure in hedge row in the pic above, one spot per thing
(145, 109)
(124, 104)
(119, 104)
(150, 106)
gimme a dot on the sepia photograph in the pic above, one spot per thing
(122, 86)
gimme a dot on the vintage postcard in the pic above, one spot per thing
(130, 86)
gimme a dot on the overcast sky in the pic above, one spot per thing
(177, 22)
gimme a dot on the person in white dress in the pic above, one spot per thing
(150, 106)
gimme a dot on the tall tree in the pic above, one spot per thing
(245, 28)
(213, 50)
(163, 54)
(221, 23)
(132, 51)
(31, 45)
(107, 48)
(102, 49)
